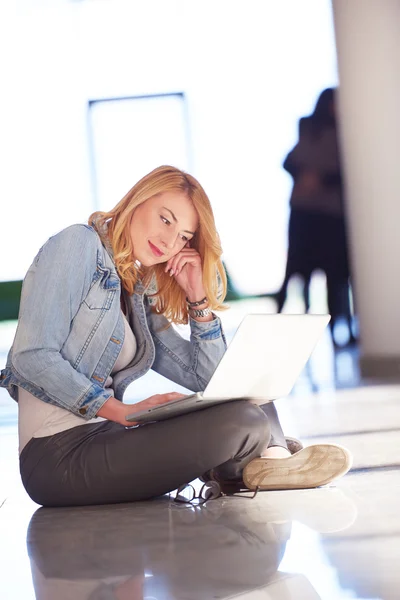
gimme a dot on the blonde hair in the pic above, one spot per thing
(114, 229)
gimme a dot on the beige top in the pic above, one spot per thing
(40, 419)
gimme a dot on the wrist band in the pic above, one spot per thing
(200, 312)
(199, 303)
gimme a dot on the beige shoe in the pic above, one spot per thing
(309, 468)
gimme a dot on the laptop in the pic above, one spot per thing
(262, 363)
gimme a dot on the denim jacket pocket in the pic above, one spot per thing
(102, 293)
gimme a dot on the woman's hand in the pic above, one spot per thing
(117, 411)
(187, 269)
(155, 400)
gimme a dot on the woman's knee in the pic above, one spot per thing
(253, 417)
(245, 417)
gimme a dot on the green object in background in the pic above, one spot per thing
(10, 293)
(231, 293)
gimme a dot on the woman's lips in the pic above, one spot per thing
(155, 250)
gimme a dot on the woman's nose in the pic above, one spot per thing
(169, 239)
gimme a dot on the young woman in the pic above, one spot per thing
(96, 312)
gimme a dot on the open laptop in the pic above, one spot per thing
(261, 364)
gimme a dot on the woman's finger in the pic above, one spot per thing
(172, 263)
(185, 260)
(164, 398)
(178, 262)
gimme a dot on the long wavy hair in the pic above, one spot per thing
(113, 228)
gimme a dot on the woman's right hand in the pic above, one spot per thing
(155, 400)
(117, 411)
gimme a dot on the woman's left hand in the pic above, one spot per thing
(187, 269)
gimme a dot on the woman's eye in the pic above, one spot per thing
(184, 238)
(164, 220)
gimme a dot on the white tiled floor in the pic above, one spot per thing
(334, 543)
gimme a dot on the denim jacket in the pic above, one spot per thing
(71, 330)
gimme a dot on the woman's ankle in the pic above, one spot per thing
(276, 452)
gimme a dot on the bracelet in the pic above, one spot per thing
(199, 303)
(200, 312)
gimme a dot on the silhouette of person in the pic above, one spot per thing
(317, 230)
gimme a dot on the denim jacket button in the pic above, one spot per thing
(82, 411)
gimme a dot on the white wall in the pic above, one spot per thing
(249, 70)
(369, 65)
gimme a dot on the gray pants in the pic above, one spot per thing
(106, 463)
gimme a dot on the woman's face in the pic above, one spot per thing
(162, 226)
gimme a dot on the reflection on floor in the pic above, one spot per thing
(334, 543)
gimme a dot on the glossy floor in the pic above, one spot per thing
(333, 543)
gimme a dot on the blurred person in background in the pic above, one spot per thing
(96, 313)
(317, 228)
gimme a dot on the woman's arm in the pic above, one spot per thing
(117, 411)
(53, 290)
(190, 363)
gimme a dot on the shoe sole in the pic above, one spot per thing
(309, 468)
